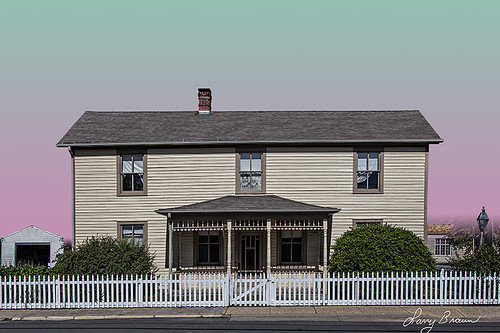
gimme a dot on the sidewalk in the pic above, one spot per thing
(326, 313)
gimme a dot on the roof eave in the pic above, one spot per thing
(245, 211)
(251, 142)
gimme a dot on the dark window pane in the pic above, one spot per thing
(256, 181)
(214, 238)
(362, 179)
(127, 232)
(214, 253)
(203, 252)
(257, 254)
(297, 253)
(243, 257)
(203, 239)
(127, 183)
(285, 253)
(373, 180)
(138, 182)
(250, 253)
(245, 180)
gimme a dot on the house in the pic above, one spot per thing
(31, 246)
(246, 190)
(439, 244)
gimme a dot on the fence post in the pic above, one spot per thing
(139, 286)
(226, 289)
(441, 287)
(58, 292)
(271, 291)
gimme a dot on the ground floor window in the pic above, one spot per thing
(365, 222)
(132, 232)
(291, 247)
(442, 247)
(209, 248)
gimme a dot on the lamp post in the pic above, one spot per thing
(482, 222)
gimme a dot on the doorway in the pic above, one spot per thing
(250, 252)
(32, 254)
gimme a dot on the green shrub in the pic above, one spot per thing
(105, 256)
(469, 256)
(380, 248)
(6, 271)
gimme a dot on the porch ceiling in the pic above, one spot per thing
(249, 207)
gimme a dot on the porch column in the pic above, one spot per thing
(170, 245)
(268, 250)
(229, 246)
(325, 246)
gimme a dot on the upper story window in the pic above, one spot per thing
(251, 172)
(442, 247)
(132, 174)
(368, 172)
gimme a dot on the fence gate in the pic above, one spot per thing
(250, 290)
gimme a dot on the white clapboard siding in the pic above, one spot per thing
(277, 289)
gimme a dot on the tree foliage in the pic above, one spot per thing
(380, 248)
(469, 256)
(105, 256)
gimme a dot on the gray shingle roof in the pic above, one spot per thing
(97, 128)
(249, 204)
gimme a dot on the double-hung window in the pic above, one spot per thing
(209, 247)
(368, 172)
(291, 247)
(442, 247)
(133, 232)
(250, 174)
(132, 174)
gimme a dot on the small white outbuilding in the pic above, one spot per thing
(31, 246)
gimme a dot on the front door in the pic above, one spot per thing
(250, 252)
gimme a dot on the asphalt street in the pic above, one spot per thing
(227, 324)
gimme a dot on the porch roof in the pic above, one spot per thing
(249, 207)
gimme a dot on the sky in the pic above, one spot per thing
(61, 58)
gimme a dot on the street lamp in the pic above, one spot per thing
(482, 222)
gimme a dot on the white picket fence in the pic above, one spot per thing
(278, 289)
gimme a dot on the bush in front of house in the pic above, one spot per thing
(105, 256)
(24, 271)
(380, 248)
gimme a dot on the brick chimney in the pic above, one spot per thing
(204, 100)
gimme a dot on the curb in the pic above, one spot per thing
(64, 318)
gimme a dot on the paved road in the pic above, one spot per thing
(226, 324)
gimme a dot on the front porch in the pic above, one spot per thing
(248, 234)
